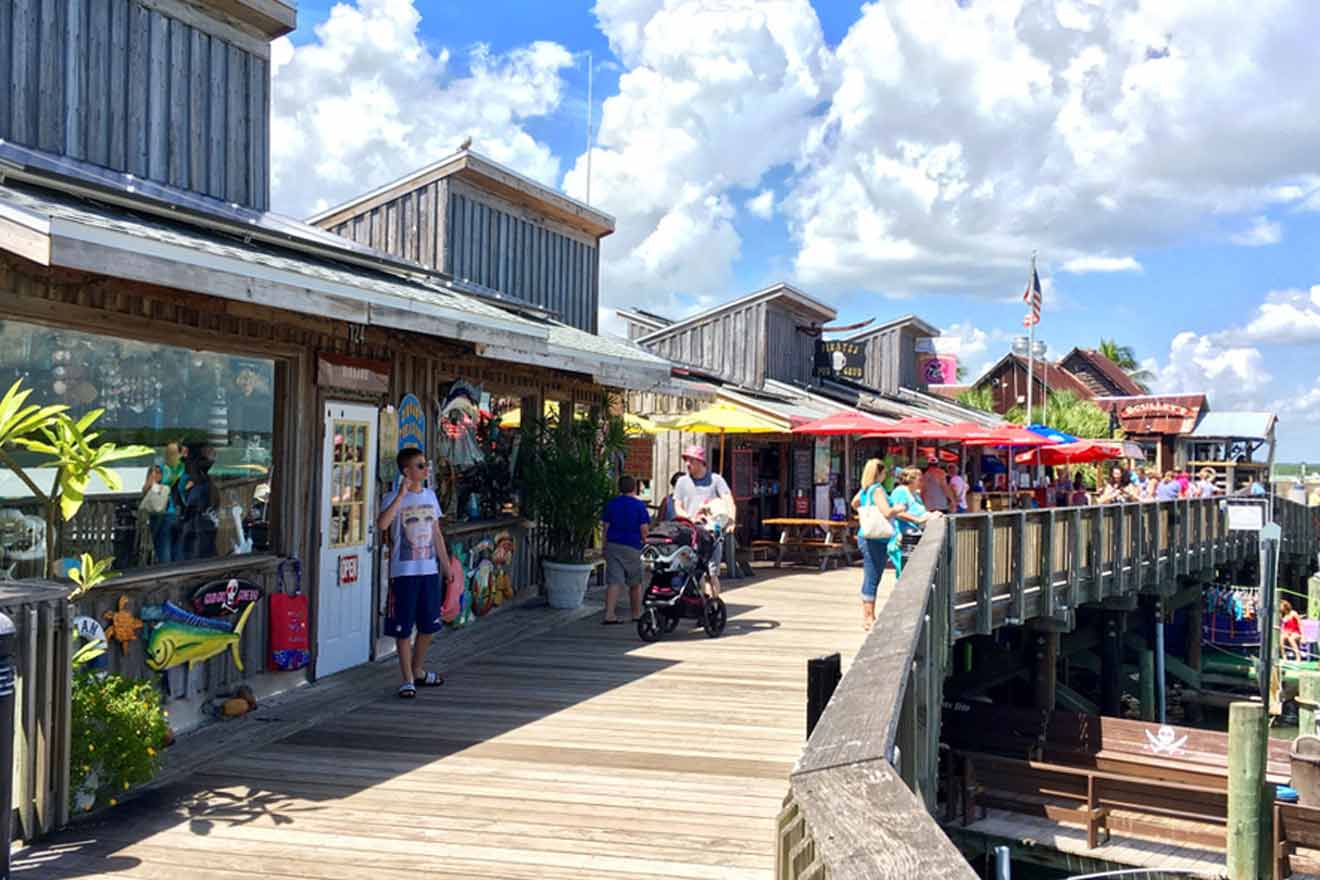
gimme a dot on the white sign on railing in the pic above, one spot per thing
(1246, 517)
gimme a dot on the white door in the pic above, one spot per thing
(348, 530)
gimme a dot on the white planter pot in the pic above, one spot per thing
(565, 583)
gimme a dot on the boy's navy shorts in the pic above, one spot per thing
(413, 600)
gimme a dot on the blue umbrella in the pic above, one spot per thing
(1052, 433)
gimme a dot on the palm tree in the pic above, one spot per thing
(1068, 413)
(978, 398)
(1125, 358)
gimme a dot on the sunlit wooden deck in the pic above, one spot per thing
(576, 753)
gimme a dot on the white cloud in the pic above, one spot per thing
(972, 340)
(367, 101)
(712, 97)
(762, 205)
(1083, 265)
(1233, 376)
(1262, 231)
(961, 138)
(1287, 316)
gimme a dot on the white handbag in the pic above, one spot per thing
(875, 526)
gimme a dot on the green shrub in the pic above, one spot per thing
(118, 733)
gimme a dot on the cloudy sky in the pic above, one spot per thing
(1162, 156)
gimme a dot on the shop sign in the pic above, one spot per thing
(348, 570)
(837, 359)
(1156, 409)
(353, 373)
(412, 423)
(937, 359)
(218, 598)
(637, 457)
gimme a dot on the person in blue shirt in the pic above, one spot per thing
(874, 550)
(912, 516)
(626, 522)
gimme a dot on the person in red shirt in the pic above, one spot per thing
(1290, 629)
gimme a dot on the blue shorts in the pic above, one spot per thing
(413, 600)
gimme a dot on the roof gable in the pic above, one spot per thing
(1053, 376)
(918, 323)
(1109, 377)
(781, 292)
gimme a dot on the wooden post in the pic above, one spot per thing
(1246, 775)
(1111, 664)
(1308, 687)
(1313, 596)
(1194, 612)
(1147, 685)
(1047, 666)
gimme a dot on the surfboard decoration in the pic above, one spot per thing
(412, 423)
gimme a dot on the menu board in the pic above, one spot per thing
(638, 457)
(742, 473)
(802, 470)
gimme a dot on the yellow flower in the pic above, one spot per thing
(151, 752)
(113, 802)
(125, 786)
(91, 748)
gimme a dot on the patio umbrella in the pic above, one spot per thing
(1077, 452)
(1052, 433)
(633, 424)
(850, 422)
(1011, 435)
(725, 418)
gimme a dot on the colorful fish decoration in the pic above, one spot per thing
(172, 643)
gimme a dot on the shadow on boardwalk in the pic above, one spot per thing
(575, 752)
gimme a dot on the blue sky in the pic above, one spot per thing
(915, 152)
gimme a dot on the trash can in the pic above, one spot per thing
(8, 639)
(1305, 761)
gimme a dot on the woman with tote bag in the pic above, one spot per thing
(874, 535)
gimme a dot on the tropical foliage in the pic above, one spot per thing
(118, 732)
(1125, 358)
(981, 398)
(90, 573)
(566, 469)
(72, 449)
(1067, 412)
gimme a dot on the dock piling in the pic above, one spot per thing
(1308, 693)
(1246, 776)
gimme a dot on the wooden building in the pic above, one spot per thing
(760, 353)
(1101, 375)
(1158, 423)
(1008, 380)
(1237, 446)
(276, 364)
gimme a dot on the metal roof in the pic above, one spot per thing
(775, 291)
(861, 335)
(58, 229)
(1236, 425)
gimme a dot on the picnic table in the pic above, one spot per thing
(802, 537)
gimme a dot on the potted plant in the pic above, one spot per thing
(567, 476)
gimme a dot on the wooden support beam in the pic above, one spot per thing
(1071, 701)
(1148, 684)
(1047, 668)
(1111, 663)
(1194, 613)
(1246, 776)
(1308, 702)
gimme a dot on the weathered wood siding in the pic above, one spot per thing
(454, 227)
(119, 84)
(731, 344)
(891, 360)
(790, 353)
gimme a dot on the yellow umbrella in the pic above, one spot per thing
(726, 418)
(632, 423)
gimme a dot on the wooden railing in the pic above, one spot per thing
(42, 704)
(862, 797)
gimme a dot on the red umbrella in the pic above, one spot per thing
(850, 422)
(1080, 452)
(1010, 435)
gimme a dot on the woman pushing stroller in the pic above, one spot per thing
(703, 497)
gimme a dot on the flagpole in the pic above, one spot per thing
(1031, 344)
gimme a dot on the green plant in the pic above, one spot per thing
(118, 732)
(566, 470)
(1068, 413)
(1125, 358)
(90, 573)
(978, 398)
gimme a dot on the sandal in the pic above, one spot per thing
(430, 680)
(407, 691)
(614, 622)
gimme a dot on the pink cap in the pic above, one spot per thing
(697, 452)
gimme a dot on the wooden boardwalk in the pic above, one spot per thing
(576, 753)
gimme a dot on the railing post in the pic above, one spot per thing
(1047, 565)
(823, 674)
(985, 586)
(1120, 550)
(1075, 562)
(1097, 554)
(1018, 579)
(1139, 548)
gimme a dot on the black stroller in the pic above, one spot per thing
(676, 558)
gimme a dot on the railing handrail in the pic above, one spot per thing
(849, 813)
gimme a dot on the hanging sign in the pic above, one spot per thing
(937, 359)
(1246, 517)
(836, 359)
(1156, 408)
(218, 598)
(353, 373)
(412, 423)
(388, 468)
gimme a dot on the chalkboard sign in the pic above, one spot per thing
(802, 470)
(742, 473)
(836, 359)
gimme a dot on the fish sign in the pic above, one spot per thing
(173, 643)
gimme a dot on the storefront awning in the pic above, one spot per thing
(59, 229)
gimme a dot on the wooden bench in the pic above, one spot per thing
(1295, 827)
(1099, 802)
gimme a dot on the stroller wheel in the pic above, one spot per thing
(648, 625)
(669, 622)
(714, 617)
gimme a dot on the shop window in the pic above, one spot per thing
(203, 493)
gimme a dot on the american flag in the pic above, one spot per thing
(1031, 296)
